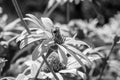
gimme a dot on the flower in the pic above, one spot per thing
(68, 46)
(69, 72)
(53, 41)
(41, 32)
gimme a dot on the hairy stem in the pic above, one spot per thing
(116, 39)
(20, 15)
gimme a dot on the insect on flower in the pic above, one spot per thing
(52, 41)
(52, 38)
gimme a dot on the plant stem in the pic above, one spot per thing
(68, 12)
(47, 55)
(50, 68)
(12, 39)
(38, 71)
(116, 38)
(52, 9)
(20, 15)
(45, 11)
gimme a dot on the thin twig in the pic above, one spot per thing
(12, 39)
(50, 68)
(44, 61)
(20, 15)
(47, 55)
(116, 39)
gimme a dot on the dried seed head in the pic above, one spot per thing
(54, 62)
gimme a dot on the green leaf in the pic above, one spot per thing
(31, 39)
(48, 34)
(2, 63)
(82, 75)
(45, 46)
(35, 53)
(20, 77)
(50, 75)
(59, 76)
(48, 24)
(62, 52)
(36, 20)
(36, 34)
(95, 58)
(41, 49)
(25, 33)
(74, 42)
(76, 57)
(34, 69)
(75, 72)
(7, 78)
(78, 52)
(85, 52)
(44, 23)
(73, 63)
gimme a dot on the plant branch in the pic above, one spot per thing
(50, 68)
(20, 15)
(116, 39)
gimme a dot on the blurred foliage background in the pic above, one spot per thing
(86, 9)
(95, 21)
